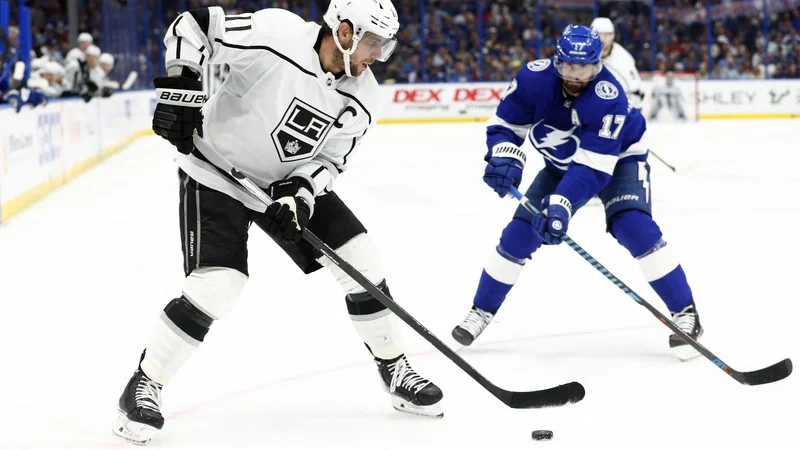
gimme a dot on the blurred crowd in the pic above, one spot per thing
(459, 45)
(53, 69)
(734, 49)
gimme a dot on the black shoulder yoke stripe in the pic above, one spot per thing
(269, 49)
(299, 67)
(175, 27)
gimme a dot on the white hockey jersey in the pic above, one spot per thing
(76, 54)
(76, 73)
(663, 90)
(278, 113)
(52, 90)
(621, 63)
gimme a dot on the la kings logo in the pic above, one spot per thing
(301, 130)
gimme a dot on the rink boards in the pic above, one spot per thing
(43, 148)
(714, 99)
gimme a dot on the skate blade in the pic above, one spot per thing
(685, 353)
(404, 406)
(133, 432)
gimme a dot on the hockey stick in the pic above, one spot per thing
(672, 168)
(557, 396)
(771, 374)
(130, 80)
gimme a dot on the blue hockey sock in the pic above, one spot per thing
(673, 289)
(505, 264)
(638, 233)
(491, 293)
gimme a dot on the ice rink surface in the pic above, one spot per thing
(85, 273)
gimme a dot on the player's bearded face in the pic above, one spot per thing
(576, 77)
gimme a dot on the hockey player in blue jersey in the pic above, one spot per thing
(13, 83)
(575, 113)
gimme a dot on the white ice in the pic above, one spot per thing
(85, 273)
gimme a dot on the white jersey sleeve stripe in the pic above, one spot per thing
(596, 161)
(520, 130)
(639, 148)
(317, 172)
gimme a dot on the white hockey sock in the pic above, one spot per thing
(381, 332)
(168, 348)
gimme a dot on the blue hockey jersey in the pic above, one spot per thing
(582, 137)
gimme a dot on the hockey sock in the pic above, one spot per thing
(178, 332)
(375, 324)
(505, 264)
(637, 232)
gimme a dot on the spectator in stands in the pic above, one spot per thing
(460, 74)
(510, 30)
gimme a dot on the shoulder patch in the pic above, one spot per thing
(539, 65)
(606, 90)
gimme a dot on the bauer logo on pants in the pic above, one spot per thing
(300, 132)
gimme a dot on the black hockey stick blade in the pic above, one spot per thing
(565, 394)
(562, 395)
(771, 374)
(557, 396)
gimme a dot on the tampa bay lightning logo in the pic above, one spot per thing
(606, 90)
(595, 35)
(558, 146)
(539, 65)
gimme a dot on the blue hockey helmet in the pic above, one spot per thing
(579, 46)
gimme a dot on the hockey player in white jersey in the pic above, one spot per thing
(620, 62)
(297, 103)
(668, 95)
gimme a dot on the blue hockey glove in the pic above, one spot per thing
(555, 221)
(37, 98)
(14, 99)
(504, 168)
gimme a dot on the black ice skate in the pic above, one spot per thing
(139, 410)
(410, 392)
(689, 321)
(477, 320)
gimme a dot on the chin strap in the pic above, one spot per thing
(346, 53)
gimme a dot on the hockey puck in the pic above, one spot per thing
(542, 435)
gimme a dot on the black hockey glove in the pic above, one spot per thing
(91, 87)
(177, 116)
(286, 218)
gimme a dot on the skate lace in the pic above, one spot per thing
(686, 319)
(407, 378)
(148, 395)
(476, 321)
